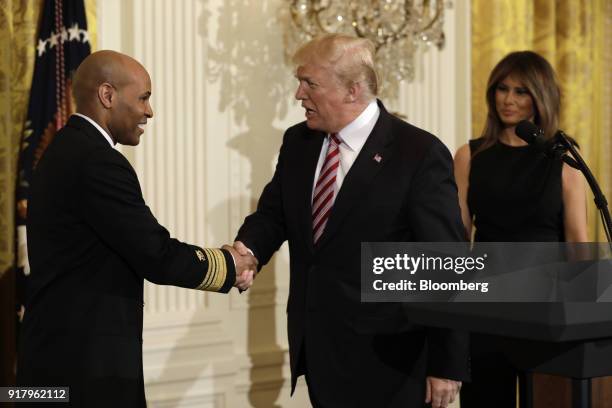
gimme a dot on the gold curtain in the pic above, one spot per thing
(571, 35)
(18, 25)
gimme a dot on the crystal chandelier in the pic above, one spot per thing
(398, 29)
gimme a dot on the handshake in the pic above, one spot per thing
(246, 265)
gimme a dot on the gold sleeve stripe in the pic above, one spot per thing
(221, 274)
(217, 271)
(212, 268)
(209, 272)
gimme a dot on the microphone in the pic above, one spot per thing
(530, 133)
(555, 148)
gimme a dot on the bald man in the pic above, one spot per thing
(92, 241)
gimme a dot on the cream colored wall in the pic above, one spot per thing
(222, 98)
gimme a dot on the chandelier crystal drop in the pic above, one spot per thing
(398, 29)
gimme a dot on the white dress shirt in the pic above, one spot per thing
(90, 120)
(354, 136)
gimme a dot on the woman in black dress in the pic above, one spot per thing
(510, 192)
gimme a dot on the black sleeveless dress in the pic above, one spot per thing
(515, 195)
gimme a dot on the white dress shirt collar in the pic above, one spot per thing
(90, 120)
(356, 133)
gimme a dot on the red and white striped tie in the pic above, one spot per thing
(325, 189)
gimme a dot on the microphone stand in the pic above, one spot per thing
(581, 388)
(560, 148)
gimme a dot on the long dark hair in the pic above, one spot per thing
(538, 76)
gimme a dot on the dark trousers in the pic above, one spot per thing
(412, 399)
(301, 368)
(493, 383)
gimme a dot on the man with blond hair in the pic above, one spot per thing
(353, 173)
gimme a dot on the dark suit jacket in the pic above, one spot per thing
(360, 354)
(92, 241)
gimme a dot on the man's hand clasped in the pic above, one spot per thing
(246, 265)
(441, 392)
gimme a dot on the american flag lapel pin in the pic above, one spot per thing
(377, 158)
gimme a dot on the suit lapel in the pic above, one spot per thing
(310, 156)
(373, 156)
